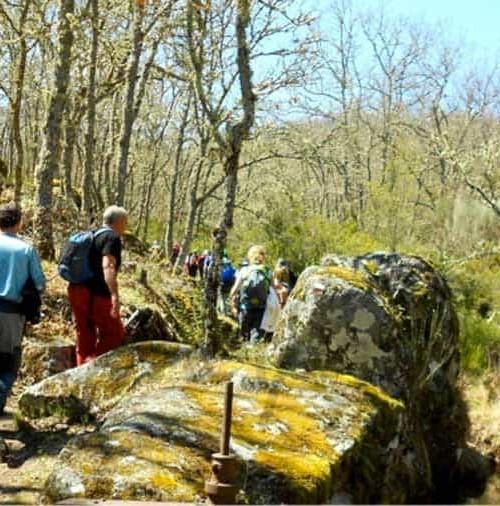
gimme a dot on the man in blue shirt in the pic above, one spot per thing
(18, 262)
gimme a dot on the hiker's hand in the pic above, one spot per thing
(115, 306)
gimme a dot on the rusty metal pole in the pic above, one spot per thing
(221, 488)
(228, 416)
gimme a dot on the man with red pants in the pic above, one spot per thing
(96, 304)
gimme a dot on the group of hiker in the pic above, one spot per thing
(258, 294)
(253, 293)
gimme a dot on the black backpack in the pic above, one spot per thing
(256, 286)
(74, 264)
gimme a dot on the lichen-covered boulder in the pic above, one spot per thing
(299, 439)
(335, 320)
(44, 359)
(388, 319)
(146, 324)
(97, 386)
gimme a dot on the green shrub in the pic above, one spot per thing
(478, 337)
(476, 285)
(302, 240)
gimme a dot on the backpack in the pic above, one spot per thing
(227, 275)
(74, 264)
(255, 289)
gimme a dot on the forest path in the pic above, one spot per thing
(32, 456)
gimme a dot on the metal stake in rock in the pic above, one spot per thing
(221, 488)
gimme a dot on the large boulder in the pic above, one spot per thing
(94, 388)
(44, 359)
(388, 319)
(300, 438)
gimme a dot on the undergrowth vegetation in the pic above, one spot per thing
(473, 272)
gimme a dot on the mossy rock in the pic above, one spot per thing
(44, 359)
(184, 308)
(390, 320)
(299, 438)
(97, 386)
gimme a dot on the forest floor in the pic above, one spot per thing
(483, 398)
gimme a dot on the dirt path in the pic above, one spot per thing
(32, 456)
(483, 398)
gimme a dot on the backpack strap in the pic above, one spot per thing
(101, 230)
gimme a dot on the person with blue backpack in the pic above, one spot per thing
(250, 292)
(227, 279)
(19, 265)
(90, 262)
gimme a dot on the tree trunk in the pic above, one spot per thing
(129, 111)
(237, 134)
(169, 233)
(108, 158)
(49, 157)
(193, 204)
(16, 104)
(72, 120)
(91, 114)
(213, 343)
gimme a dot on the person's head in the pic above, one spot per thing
(10, 218)
(281, 274)
(282, 263)
(116, 218)
(257, 255)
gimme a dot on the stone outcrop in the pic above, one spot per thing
(96, 387)
(388, 319)
(300, 438)
(44, 359)
(146, 324)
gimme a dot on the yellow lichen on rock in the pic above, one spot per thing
(97, 386)
(296, 433)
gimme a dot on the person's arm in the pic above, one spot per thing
(111, 278)
(234, 294)
(236, 287)
(36, 271)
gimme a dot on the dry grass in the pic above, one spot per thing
(483, 397)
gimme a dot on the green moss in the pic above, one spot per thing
(224, 371)
(99, 386)
(373, 392)
(303, 432)
(355, 278)
(308, 478)
(163, 481)
(139, 463)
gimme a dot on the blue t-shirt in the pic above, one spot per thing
(18, 260)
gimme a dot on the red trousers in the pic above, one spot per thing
(97, 332)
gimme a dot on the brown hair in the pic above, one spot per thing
(282, 274)
(10, 215)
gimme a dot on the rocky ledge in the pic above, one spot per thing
(300, 439)
(94, 388)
